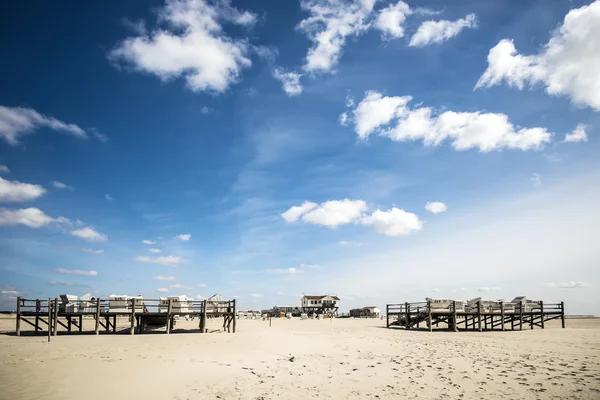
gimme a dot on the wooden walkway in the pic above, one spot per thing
(500, 316)
(47, 315)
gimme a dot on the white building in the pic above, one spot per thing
(320, 302)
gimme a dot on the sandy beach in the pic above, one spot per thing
(340, 358)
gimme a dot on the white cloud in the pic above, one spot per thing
(31, 217)
(436, 207)
(16, 122)
(68, 284)
(191, 44)
(568, 285)
(536, 179)
(567, 65)
(108, 197)
(333, 213)
(17, 191)
(330, 23)
(349, 243)
(165, 260)
(390, 19)
(393, 222)
(164, 278)
(439, 31)
(162, 290)
(184, 236)
(296, 212)
(205, 110)
(89, 234)
(256, 295)
(154, 250)
(4, 168)
(287, 271)
(465, 130)
(488, 289)
(146, 241)
(313, 266)
(60, 185)
(97, 251)
(76, 272)
(290, 81)
(577, 135)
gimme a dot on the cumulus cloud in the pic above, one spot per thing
(31, 217)
(191, 44)
(94, 251)
(330, 24)
(4, 169)
(60, 185)
(296, 212)
(286, 271)
(567, 65)
(164, 278)
(333, 213)
(568, 285)
(289, 80)
(465, 130)
(146, 241)
(577, 135)
(165, 260)
(13, 191)
(184, 236)
(76, 272)
(390, 20)
(393, 222)
(154, 250)
(439, 31)
(16, 122)
(89, 234)
(436, 207)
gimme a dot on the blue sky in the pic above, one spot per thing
(123, 122)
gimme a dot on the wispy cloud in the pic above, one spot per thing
(165, 260)
(94, 251)
(568, 285)
(89, 234)
(76, 272)
(164, 278)
(184, 236)
(288, 271)
(67, 284)
(61, 185)
(108, 197)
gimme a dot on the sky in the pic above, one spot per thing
(381, 151)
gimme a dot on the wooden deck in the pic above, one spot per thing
(476, 318)
(46, 316)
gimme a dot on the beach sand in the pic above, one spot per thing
(333, 359)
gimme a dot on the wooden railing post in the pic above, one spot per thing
(235, 315)
(18, 327)
(97, 327)
(203, 322)
(429, 322)
(387, 315)
(169, 315)
(521, 316)
(479, 315)
(407, 316)
(37, 316)
(454, 316)
(49, 319)
(502, 314)
(562, 313)
(55, 328)
(542, 314)
(132, 328)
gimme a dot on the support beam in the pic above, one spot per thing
(235, 315)
(97, 327)
(49, 319)
(18, 327)
(132, 327)
(521, 316)
(502, 314)
(454, 317)
(542, 314)
(562, 313)
(203, 321)
(429, 323)
(479, 316)
(55, 327)
(169, 315)
(407, 315)
(387, 315)
(80, 323)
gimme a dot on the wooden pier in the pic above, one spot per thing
(477, 317)
(48, 316)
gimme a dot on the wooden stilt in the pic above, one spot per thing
(49, 319)
(429, 324)
(406, 315)
(97, 327)
(562, 313)
(132, 327)
(37, 318)
(169, 315)
(18, 327)
(80, 323)
(479, 315)
(69, 324)
(542, 314)
(521, 316)
(114, 323)
(502, 315)
(235, 316)
(387, 315)
(454, 317)
(203, 322)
